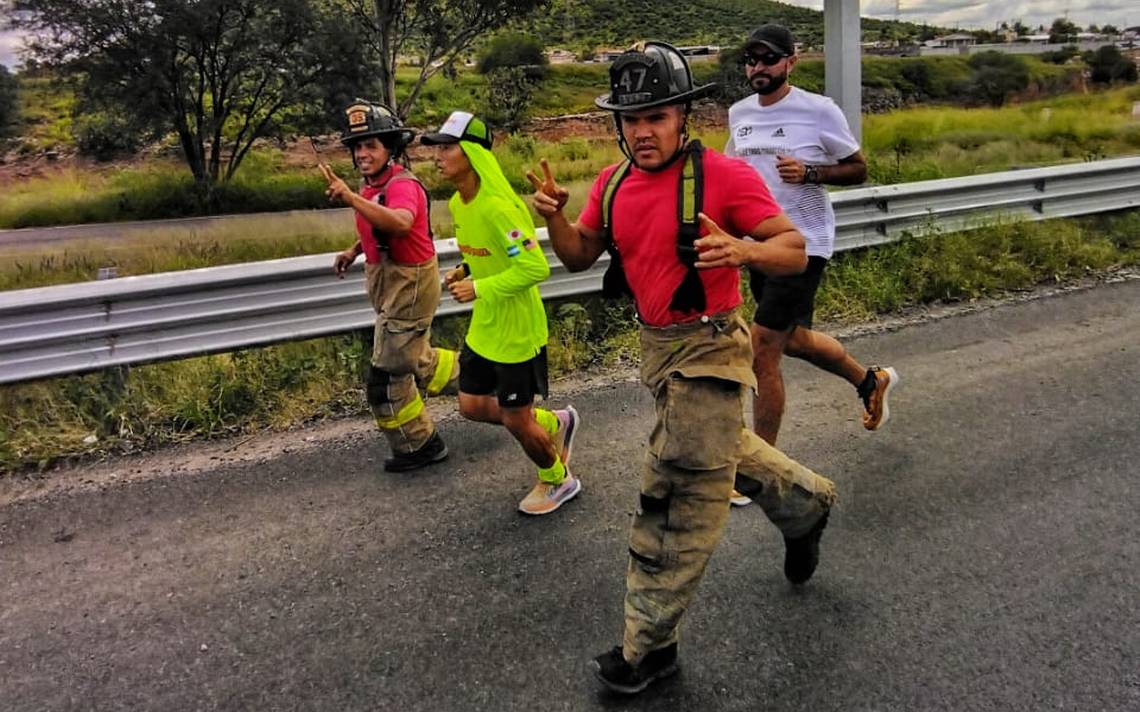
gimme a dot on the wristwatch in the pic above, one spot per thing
(811, 175)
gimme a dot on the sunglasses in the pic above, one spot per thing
(767, 59)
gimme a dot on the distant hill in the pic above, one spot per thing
(589, 24)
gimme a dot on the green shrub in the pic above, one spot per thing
(1108, 65)
(9, 106)
(1060, 56)
(509, 90)
(513, 49)
(997, 75)
(104, 135)
(281, 385)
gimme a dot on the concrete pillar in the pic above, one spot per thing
(842, 63)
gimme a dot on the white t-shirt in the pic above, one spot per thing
(808, 127)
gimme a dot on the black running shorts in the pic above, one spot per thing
(782, 302)
(515, 384)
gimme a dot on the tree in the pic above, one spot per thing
(1107, 65)
(1062, 31)
(731, 84)
(509, 90)
(988, 36)
(437, 32)
(515, 65)
(1060, 56)
(513, 49)
(9, 107)
(996, 75)
(217, 73)
(1110, 30)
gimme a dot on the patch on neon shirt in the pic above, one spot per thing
(529, 244)
(514, 234)
(513, 251)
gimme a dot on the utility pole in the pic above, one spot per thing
(842, 67)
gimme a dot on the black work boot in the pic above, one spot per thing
(801, 555)
(432, 451)
(619, 676)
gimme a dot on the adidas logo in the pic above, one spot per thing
(778, 133)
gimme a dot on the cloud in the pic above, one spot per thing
(9, 43)
(975, 14)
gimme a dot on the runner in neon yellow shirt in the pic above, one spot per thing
(503, 362)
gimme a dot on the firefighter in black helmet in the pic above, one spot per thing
(401, 270)
(653, 74)
(662, 212)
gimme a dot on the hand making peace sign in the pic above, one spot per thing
(338, 189)
(549, 197)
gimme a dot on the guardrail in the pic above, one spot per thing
(53, 331)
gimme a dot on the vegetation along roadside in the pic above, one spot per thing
(124, 410)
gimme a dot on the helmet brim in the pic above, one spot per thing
(408, 135)
(603, 101)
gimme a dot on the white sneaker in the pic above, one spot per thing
(739, 500)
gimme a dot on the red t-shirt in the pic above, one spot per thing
(417, 245)
(644, 223)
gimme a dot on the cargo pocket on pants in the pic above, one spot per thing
(699, 423)
(647, 540)
(401, 341)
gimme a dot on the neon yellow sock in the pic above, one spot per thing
(554, 474)
(547, 420)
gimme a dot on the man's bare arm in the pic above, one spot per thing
(779, 249)
(849, 171)
(395, 222)
(577, 246)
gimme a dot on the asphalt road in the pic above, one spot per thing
(985, 555)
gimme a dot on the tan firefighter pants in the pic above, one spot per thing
(698, 448)
(405, 298)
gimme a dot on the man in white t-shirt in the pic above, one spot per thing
(798, 141)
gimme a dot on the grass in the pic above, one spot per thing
(913, 144)
(126, 409)
(46, 108)
(161, 188)
(926, 142)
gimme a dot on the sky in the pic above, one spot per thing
(966, 14)
(8, 42)
(970, 14)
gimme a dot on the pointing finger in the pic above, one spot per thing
(546, 169)
(708, 224)
(534, 180)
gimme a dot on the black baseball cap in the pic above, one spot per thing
(460, 126)
(774, 37)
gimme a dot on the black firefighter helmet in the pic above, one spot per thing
(364, 119)
(650, 74)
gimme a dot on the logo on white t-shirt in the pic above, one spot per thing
(778, 133)
(744, 131)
